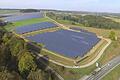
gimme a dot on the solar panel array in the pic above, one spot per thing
(24, 16)
(34, 27)
(82, 30)
(67, 43)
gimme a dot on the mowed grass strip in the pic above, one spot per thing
(42, 31)
(57, 58)
(25, 22)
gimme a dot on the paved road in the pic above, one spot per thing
(105, 69)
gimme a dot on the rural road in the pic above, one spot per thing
(105, 69)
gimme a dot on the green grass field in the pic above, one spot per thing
(25, 22)
(76, 74)
(64, 21)
(113, 75)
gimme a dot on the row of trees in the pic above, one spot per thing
(87, 20)
(29, 10)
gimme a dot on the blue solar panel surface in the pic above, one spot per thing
(67, 43)
(34, 27)
(24, 16)
(82, 30)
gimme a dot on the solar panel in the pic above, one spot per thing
(24, 16)
(82, 30)
(67, 43)
(34, 27)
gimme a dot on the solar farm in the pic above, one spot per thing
(67, 43)
(24, 16)
(61, 44)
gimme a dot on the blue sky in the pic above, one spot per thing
(76, 5)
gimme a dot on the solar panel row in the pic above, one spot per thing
(24, 16)
(67, 43)
(34, 27)
(82, 30)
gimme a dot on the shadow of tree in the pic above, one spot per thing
(42, 62)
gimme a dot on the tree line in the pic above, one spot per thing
(29, 10)
(87, 20)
